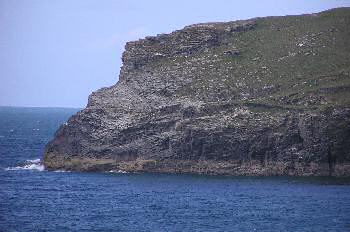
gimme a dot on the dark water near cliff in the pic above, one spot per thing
(32, 199)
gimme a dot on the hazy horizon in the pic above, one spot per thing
(55, 53)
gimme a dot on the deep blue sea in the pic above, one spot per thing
(32, 199)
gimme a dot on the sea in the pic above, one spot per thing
(34, 199)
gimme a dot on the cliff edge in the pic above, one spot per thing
(266, 96)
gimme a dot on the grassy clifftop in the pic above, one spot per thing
(295, 61)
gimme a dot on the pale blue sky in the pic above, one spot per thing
(56, 52)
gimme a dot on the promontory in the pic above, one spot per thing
(264, 96)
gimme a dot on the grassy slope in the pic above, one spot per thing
(298, 62)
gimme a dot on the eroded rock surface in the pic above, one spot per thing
(267, 96)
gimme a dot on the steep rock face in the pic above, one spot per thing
(267, 96)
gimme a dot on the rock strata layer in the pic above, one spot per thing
(266, 96)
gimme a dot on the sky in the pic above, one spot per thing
(55, 53)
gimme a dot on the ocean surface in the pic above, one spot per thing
(33, 199)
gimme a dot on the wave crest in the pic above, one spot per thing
(60, 170)
(35, 164)
(117, 171)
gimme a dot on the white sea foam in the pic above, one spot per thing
(34, 161)
(117, 171)
(35, 165)
(61, 171)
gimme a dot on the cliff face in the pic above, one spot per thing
(267, 96)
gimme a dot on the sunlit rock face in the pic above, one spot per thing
(266, 96)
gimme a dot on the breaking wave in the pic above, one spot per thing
(117, 171)
(61, 170)
(34, 164)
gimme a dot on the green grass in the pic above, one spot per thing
(284, 62)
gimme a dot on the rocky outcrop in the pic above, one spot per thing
(267, 96)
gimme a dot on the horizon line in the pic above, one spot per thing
(62, 107)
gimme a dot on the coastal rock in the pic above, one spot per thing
(235, 98)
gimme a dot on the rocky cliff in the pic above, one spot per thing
(266, 96)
